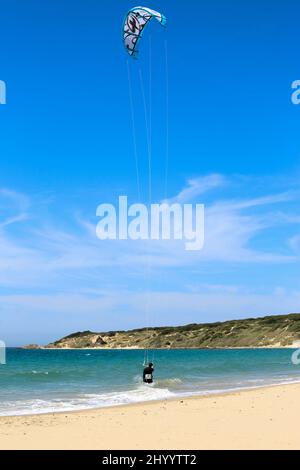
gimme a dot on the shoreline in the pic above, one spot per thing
(243, 419)
(196, 395)
(292, 346)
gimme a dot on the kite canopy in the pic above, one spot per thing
(135, 21)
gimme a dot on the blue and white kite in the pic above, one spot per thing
(135, 21)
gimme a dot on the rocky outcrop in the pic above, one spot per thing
(97, 340)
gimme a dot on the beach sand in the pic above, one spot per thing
(255, 419)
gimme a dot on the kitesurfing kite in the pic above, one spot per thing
(134, 24)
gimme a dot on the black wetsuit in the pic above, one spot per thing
(148, 375)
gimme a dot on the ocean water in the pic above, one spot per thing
(42, 381)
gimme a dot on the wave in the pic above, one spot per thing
(142, 393)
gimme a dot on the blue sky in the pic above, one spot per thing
(66, 146)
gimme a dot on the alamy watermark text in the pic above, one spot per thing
(160, 222)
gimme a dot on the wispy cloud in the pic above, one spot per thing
(197, 186)
(20, 200)
(13, 201)
(259, 201)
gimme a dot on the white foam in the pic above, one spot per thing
(169, 382)
(142, 394)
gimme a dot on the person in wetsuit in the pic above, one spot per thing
(148, 374)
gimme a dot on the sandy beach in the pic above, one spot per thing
(266, 418)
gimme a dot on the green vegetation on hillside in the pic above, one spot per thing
(271, 331)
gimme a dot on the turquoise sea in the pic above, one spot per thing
(59, 380)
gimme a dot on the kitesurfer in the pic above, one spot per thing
(148, 374)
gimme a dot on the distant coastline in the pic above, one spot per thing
(277, 331)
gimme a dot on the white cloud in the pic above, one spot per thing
(260, 201)
(12, 201)
(198, 186)
(20, 200)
